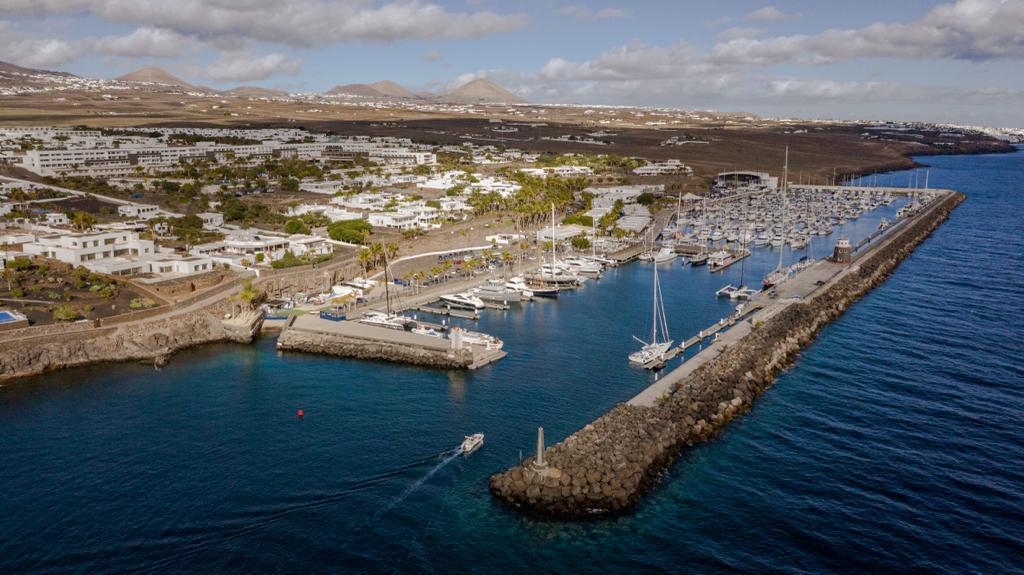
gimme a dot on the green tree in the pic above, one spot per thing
(351, 231)
(296, 227)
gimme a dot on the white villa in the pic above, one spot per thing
(138, 211)
(115, 253)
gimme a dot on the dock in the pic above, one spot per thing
(310, 334)
(447, 311)
(737, 256)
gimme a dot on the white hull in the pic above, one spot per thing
(650, 353)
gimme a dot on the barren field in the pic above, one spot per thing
(734, 141)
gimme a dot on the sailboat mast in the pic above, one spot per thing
(785, 206)
(654, 307)
(552, 240)
(387, 282)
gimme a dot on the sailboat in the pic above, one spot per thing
(702, 258)
(653, 353)
(387, 319)
(779, 274)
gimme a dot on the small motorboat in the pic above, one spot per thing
(471, 443)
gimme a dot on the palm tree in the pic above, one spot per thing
(365, 256)
(82, 220)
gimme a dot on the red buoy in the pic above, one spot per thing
(301, 413)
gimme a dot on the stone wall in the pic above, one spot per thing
(155, 333)
(334, 344)
(154, 339)
(606, 466)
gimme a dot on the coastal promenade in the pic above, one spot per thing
(608, 464)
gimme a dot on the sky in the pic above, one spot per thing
(959, 61)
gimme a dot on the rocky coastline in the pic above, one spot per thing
(605, 467)
(36, 350)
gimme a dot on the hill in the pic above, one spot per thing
(392, 90)
(364, 90)
(256, 92)
(480, 91)
(7, 68)
(155, 76)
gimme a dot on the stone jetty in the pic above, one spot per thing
(607, 465)
(311, 334)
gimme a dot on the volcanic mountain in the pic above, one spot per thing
(256, 92)
(364, 90)
(480, 91)
(392, 90)
(155, 76)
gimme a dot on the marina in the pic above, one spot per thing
(836, 417)
(605, 467)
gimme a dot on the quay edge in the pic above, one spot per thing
(605, 467)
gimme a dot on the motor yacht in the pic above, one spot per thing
(464, 300)
(471, 443)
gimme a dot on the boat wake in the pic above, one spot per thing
(446, 458)
(191, 540)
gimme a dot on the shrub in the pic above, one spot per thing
(19, 264)
(351, 231)
(141, 303)
(66, 313)
(296, 227)
(17, 292)
(288, 260)
(580, 242)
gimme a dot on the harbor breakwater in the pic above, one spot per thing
(368, 348)
(607, 465)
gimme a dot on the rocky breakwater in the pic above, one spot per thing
(606, 466)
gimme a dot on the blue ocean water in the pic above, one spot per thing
(893, 445)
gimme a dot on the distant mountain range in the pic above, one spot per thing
(479, 91)
(475, 91)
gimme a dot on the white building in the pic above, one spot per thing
(663, 168)
(114, 253)
(56, 219)
(139, 211)
(211, 220)
(400, 220)
(561, 233)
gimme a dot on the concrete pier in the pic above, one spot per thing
(309, 333)
(608, 464)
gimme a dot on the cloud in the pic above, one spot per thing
(585, 13)
(302, 23)
(769, 14)
(20, 47)
(963, 30)
(738, 33)
(245, 67)
(431, 56)
(145, 42)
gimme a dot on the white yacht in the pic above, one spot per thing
(471, 443)
(652, 354)
(476, 338)
(728, 290)
(385, 320)
(664, 255)
(584, 267)
(463, 300)
(518, 284)
(496, 290)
